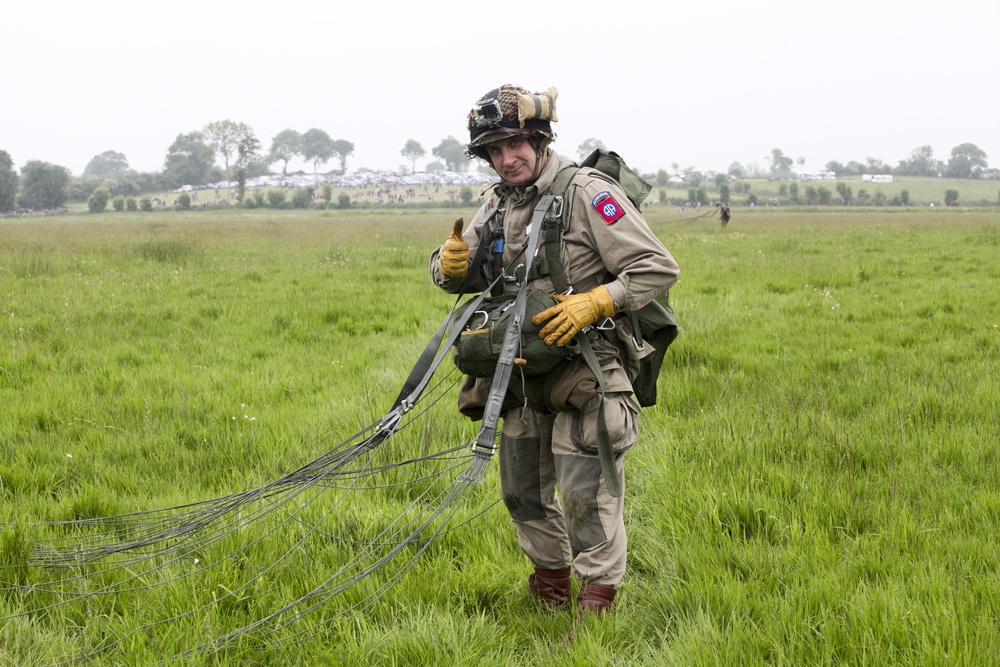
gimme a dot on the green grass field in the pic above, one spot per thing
(818, 484)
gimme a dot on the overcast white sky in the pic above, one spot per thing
(696, 83)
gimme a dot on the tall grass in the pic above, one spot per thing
(817, 485)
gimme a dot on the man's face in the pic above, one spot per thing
(514, 159)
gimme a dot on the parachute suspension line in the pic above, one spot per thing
(159, 526)
(141, 544)
(441, 509)
(445, 505)
(691, 218)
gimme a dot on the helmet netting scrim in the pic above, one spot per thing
(507, 111)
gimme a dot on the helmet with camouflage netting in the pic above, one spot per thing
(510, 111)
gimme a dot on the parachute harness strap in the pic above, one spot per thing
(485, 444)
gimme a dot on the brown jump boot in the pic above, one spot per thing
(552, 587)
(595, 598)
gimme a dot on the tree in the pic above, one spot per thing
(735, 169)
(343, 149)
(876, 166)
(921, 163)
(8, 183)
(465, 195)
(98, 200)
(284, 146)
(967, 161)
(317, 147)
(452, 152)
(276, 198)
(224, 138)
(188, 160)
(43, 185)
(106, 165)
(589, 146)
(413, 151)
(837, 168)
(780, 163)
(824, 196)
(303, 198)
(723, 193)
(844, 190)
(247, 152)
(951, 197)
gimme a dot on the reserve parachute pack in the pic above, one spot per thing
(654, 323)
(481, 340)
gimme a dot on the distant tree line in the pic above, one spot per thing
(967, 161)
(229, 151)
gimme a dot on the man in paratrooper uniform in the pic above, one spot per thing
(613, 263)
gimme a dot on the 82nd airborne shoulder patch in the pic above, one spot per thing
(609, 209)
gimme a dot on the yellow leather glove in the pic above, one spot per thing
(573, 313)
(454, 255)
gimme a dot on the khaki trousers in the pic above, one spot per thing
(553, 487)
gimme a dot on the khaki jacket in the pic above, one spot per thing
(623, 254)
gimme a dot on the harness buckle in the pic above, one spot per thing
(486, 318)
(555, 208)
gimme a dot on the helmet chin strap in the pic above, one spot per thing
(541, 157)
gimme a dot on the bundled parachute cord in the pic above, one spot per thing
(180, 531)
(441, 508)
(161, 526)
(395, 538)
(691, 218)
(376, 553)
(191, 519)
(150, 549)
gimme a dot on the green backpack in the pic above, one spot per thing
(654, 323)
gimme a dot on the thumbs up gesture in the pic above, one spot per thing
(454, 256)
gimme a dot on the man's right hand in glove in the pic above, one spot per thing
(454, 255)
